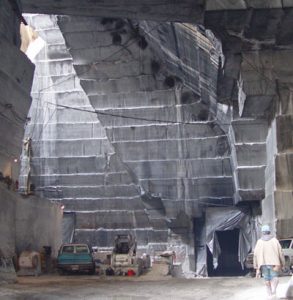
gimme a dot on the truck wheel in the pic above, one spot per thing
(61, 272)
(92, 271)
(287, 268)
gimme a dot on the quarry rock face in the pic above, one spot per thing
(16, 73)
(142, 126)
(151, 157)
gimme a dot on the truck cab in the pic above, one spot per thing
(75, 258)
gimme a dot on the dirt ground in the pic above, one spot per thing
(51, 287)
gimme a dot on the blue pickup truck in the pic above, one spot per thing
(75, 258)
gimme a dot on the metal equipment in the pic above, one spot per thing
(123, 259)
(29, 263)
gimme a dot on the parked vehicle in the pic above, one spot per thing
(123, 259)
(75, 258)
(287, 247)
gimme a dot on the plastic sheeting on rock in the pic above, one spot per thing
(68, 226)
(222, 219)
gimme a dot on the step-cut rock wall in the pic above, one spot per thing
(265, 151)
(16, 74)
(153, 156)
(153, 88)
(72, 160)
(278, 204)
(159, 127)
(250, 126)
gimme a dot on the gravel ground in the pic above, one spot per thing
(53, 287)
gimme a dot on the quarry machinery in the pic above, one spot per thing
(123, 259)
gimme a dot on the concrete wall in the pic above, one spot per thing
(8, 202)
(27, 223)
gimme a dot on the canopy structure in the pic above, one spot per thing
(223, 219)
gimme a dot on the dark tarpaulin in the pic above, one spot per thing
(68, 226)
(222, 219)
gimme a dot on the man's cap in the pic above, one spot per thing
(265, 228)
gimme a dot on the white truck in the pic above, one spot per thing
(287, 246)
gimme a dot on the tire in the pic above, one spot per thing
(92, 271)
(61, 272)
(286, 270)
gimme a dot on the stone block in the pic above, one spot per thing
(158, 224)
(251, 178)
(283, 205)
(136, 99)
(157, 236)
(284, 228)
(53, 35)
(170, 131)
(152, 114)
(69, 131)
(212, 201)
(281, 59)
(172, 149)
(226, 4)
(189, 206)
(58, 51)
(73, 179)
(271, 142)
(113, 70)
(284, 171)
(190, 188)
(73, 98)
(87, 38)
(284, 136)
(270, 179)
(103, 203)
(118, 178)
(70, 148)
(250, 195)
(75, 24)
(190, 168)
(110, 53)
(93, 192)
(56, 68)
(122, 219)
(251, 154)
(45, 22)
(172, 207)
(257, 106)
(122, 85)
(68, 165)
(250, 131)
(52, 84)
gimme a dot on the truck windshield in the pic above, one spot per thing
(81, 249)
(68, 249)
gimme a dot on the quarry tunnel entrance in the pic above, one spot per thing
(228, 263)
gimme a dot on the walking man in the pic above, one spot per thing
(268, 260)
